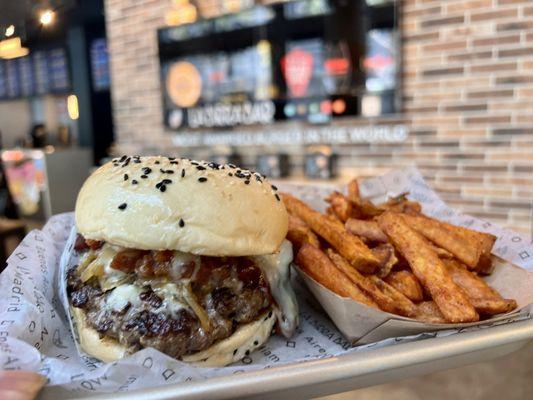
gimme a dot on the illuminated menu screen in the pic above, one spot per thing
(40, 72)
(310, 60)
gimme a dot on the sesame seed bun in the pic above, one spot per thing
(244, 340)
(160, 203)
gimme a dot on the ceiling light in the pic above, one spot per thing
(47, 17)
(10, 30)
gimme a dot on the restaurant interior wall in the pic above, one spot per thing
(467, 95)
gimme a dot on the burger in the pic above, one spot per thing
(183, 256)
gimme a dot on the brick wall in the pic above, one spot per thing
(467, 98)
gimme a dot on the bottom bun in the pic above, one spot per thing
(243, 341)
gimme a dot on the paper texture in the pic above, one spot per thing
(35, 333)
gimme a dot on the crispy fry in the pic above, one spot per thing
(402, 205)
(348, 245)
(354, 195)
(447, 237)
(429, 269)
(442, 253)
(378, 290)
(407, 284)
(299, 233)
(428, 311)
(317, 265)
(387, 259)
(485, 266)
(341, 207)
(366, 229)
(485, 299)
(485, 242)
(362, 209)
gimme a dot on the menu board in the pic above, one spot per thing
(3, 81)
(12, 78)
(100, 64)
(57, 70)
(41, 72)
(27, 82)
(40, 68)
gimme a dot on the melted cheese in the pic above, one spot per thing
(181, 259)
(275, 267)
(122, 295)
(169, 293)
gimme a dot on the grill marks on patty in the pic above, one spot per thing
(232, 291)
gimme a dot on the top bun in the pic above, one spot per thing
(165, 203)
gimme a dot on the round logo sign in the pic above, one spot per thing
(184, 84)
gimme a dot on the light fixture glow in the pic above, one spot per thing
(47, 17)
(10, 30)
(72, 107)
(12, 48)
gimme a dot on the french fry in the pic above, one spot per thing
(348, 245)
(299, 233)
(485, 299)
(386, 297)
(407, 284)
(317, 265)
(429, 269)
(354, 195)
(442, 253)
(485, 242)
(387, 259)
(428, 311)
(366, 229)
(340, 206)
(401, 204)
(362, 209)
(447, 237)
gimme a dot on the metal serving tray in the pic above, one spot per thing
(347, 372)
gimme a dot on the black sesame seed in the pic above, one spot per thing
(126, 162)
(174, 162)
(134, 182)
(200, 168)
(258, 178)
(247, 352)
(126, 177)
(171, 158)
(202, 179)
(158, 185)
(162, 188)
(166, 171)
(277, 197)
(183, 173)
(123, 158)
(122, 206)
(273, 187)
(235, 351)
(144, 176)
(157, 162)
(270, 314)
(166, 181)
(256, 342)
(136, 161)
(230, 174)
(231, 166)
(181, 223)
(147, 170)
(246, 182)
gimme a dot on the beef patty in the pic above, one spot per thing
(230, 291)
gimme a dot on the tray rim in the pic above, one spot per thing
(323, 371)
